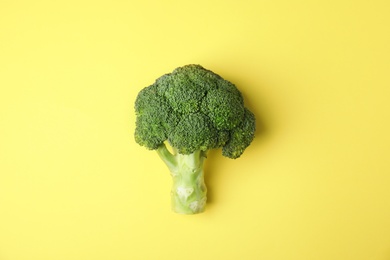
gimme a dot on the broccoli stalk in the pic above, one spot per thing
(188, 193)
(194, 110)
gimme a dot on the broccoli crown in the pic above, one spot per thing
(193, 109)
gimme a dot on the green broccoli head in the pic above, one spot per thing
(193, 109)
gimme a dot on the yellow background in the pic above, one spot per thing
(314, 185)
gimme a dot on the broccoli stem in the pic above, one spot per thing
(188, 194)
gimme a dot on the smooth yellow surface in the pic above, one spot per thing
(314, 185)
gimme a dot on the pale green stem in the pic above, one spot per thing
(188, 190)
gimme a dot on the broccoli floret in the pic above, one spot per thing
(194, 132)
(155, 118)
(193, 110)
(240, 137)
(225, 109)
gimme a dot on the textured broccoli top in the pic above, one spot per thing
(193, 109)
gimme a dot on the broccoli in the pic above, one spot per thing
(193, 110)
